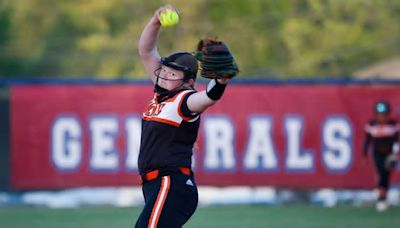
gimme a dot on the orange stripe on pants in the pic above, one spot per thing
(158, 206)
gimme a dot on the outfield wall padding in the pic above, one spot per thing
(298, 136)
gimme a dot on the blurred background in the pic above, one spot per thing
(280, 39)
(310, 73)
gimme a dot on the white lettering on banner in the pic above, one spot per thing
(219, 153)
(260, 153)
(219, 139)
(104, 155)
(133, 134)
(66, 143)
(337, 144)
(297, 159)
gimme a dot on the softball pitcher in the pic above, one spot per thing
(170, 123)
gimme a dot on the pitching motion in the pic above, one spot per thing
(171, 121)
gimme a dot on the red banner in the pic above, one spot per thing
(305, 136)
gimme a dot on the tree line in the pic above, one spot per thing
(269, 38)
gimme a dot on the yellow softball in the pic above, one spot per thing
(169, 18)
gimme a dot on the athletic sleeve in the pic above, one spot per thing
(367, 139)
(184, 110)
(367, 142)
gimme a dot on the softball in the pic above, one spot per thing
(169, 18)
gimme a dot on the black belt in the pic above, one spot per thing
(154, 174)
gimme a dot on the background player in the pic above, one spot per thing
(169, 129)
(382, 134)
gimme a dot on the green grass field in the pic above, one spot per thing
(221, 216)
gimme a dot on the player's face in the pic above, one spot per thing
(170, 78)
(382, 117)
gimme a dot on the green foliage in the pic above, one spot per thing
(286, 38)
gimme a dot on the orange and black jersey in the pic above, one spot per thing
(169, 131)
(381, 136)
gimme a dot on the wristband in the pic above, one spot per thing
(215, 90)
